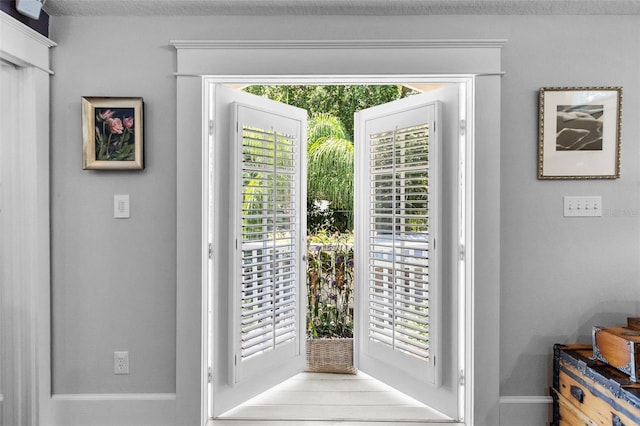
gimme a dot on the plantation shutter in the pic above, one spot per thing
(398, 238)
(269, 231)
(257, 223)
(399, 273)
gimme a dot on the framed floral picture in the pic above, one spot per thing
(112, 133)
(579, 132)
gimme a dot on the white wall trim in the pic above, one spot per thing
(456, 57)
(22, 45)
(115, 397)
(232, 58)
(531, 399)
(111, 409)
(25, 223)
(521, 409)
(338, 44)
(23, 29)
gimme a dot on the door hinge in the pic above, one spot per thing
(210, 127)
(209, 375)
(210, 250)
(463, 127)
(463, 252)
(461, 378)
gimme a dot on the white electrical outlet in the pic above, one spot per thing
(121, 362)
(590, 206)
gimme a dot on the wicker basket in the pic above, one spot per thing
(330, 356)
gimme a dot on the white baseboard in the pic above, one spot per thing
(527, 399)
(115, 397)
(140, 409)
(526, 410)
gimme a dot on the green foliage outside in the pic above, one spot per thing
(330, 150)
(330, 162)
(341, 101)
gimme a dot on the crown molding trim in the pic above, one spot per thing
(22, 45)
(337, 44)
(6, 19)
(314, 57)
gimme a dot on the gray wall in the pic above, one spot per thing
(114, 280)
(561, 276)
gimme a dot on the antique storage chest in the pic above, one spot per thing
(589, 392)
(618, 347)
(633, 322)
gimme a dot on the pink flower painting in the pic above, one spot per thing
(115, 129)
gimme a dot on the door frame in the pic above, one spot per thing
(476, 61)
(465, 84)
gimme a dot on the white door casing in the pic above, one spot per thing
(475, 62)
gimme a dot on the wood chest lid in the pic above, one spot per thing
(581, 357)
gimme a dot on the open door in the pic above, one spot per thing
(258, 215)
(405, 231)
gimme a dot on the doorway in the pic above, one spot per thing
(440, 383)
(477, 61)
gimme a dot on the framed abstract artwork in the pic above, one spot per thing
(579, 132)
(112, 130)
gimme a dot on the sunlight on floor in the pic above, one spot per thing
(327, 399)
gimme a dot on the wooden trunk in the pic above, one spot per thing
(587, 392)
(633, 322)
(618, 347)
(330, 356)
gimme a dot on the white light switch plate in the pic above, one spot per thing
(590, 206)
(121, 206)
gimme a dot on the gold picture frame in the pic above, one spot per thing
(112, 130)
(579, 132)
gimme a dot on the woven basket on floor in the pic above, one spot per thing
(330, 356)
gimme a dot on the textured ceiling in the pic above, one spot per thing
(340, 7)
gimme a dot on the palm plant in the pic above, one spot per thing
(330, 158)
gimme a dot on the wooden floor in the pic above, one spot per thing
(318, 399)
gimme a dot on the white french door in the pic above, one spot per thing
(405, 281)
(259, 224)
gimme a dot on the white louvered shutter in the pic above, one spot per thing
(398, 240)
(269, 269)
(397, 205)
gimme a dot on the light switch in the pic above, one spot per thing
(590, 206)
(121, 206)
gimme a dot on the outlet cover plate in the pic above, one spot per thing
(121, 362)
